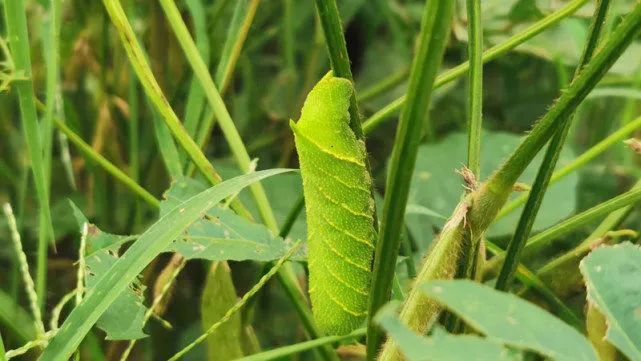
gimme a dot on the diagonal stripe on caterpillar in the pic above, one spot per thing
(339, 207)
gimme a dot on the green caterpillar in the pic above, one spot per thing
(339, 205)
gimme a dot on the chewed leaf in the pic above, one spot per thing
(613, 278)
(511, 320)
(124, 319)
(223, 235)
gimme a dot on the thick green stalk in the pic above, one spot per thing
(435, 26)
(220, 110)
(496, 51)
(90, 154)
(337, 49)
(544, 174)
(442, 263)
(16, 25)
(577, 163)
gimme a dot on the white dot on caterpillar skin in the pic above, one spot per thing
(598, 268)
(437, 289)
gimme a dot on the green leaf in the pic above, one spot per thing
(124, 318)
(156, 239)
(223, 235)
(437, 186)
(440, 346)
(506, 318)
(612, 277)
(219, 296)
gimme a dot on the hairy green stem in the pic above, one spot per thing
(435, 24)
(544, 174)
(577, 163)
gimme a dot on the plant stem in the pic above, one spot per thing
(283, 352)
(379, 117)
(337, 49)
(220, 110)
(569, 100)
(528, 216)
(475, 103)
(16, 25)
(475, 121)
(577, 163)
(435, 26)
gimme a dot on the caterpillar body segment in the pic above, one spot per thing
(339, 208)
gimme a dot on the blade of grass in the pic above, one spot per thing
(578, 162)
(135, 259)
(236, 36)
(435, 26)
(544, 174)
(15, 320)
(496, 51)
(89, 153)
(140, 65)
(16, 24)
(165, 144)
(216, 102)
(288, 351)
(196, 96)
